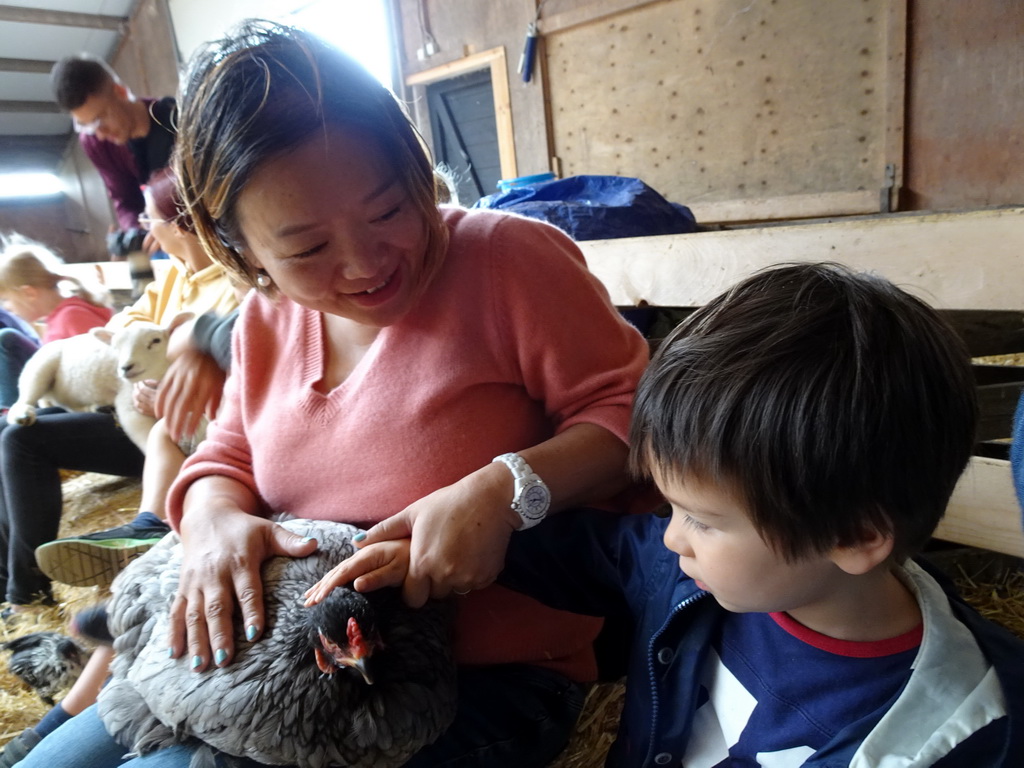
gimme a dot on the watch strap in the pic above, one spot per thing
(531, 496)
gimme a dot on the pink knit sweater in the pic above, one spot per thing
(513, 341)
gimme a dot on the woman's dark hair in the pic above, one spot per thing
(75, 78)
(164, 191)
(262, 91)
(833, 402)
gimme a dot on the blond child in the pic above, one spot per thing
(33, 288)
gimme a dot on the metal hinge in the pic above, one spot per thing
(885, 201)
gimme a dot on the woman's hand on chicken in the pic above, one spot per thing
(452, 540)
(224, 547)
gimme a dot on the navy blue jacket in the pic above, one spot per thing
(968, 677)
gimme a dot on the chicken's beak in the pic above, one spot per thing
(360, 666)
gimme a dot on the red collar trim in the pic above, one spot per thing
(858, 650)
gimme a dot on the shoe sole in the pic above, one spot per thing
(82, 563)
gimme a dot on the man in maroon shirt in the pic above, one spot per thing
(126, 138)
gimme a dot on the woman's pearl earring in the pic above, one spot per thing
(263, 280)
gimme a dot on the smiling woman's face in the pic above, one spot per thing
(336, 231)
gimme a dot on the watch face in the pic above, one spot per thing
(535, 500)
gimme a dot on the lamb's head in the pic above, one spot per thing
(141, 347)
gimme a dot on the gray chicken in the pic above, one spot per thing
(360, 680)
(49, 662)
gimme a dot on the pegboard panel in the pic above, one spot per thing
(741, 109)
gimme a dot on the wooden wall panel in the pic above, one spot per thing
(42, 221)
(717, 101)
(965, 104)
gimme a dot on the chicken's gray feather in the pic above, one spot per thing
(272, 704)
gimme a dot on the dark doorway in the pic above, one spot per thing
(465, 133)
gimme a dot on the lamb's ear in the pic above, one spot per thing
(180, 319)
(103, 334)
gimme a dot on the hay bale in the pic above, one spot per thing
(596, 728)
(992, 583)
(1012, 359)
(93, 502)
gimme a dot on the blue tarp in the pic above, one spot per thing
(596, 207)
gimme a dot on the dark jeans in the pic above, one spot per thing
(30, 493)
(509, 717)
(15, 349)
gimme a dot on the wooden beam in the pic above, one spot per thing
(809, 206)
(35, 107)
(952, 260)
(61, 18)
(470, 63)
(895, 102)
(503, 117)
(31, 66)
(984, 511)
(110, 274)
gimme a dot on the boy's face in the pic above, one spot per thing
(721, 550)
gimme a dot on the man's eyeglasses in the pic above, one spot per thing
(87, 128)
(92, 126)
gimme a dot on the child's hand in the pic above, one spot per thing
(384, 564)
(144, 396)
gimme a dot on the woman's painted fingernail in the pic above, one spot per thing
(359, 536)
(197, 662)
(220, 656)
(250, 632)
(170, 653)
(306, 539)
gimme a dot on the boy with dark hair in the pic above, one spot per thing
(127, 139)
(807, 427)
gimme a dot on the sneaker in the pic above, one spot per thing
(17, 749)
(96, 558)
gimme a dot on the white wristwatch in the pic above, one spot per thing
(532, 497)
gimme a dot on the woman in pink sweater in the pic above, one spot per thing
(392, 356)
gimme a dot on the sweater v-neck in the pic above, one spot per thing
(326, 404)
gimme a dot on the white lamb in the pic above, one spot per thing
(96, 369)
